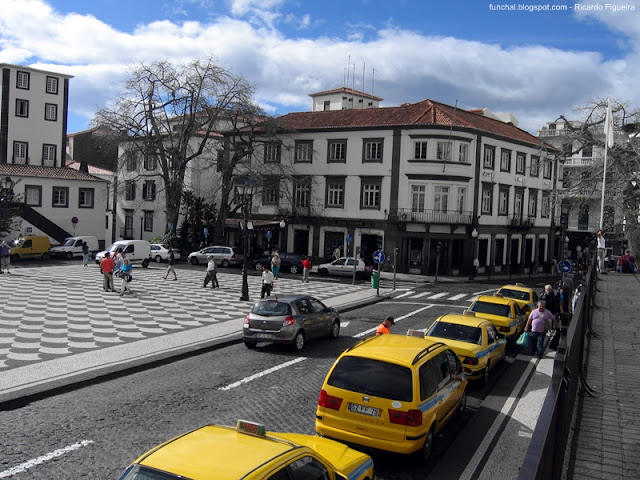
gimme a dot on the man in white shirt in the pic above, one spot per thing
(212, 273)
(267, 282)
(601, 250)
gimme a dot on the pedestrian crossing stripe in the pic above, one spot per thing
(435, 296)
(438, 295)
(423, 294)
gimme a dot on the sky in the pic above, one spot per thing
(532, 59)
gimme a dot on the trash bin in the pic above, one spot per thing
(375, 279)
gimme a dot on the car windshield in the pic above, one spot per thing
(491, 309)
(138, 472)
(517, 294)
(113, 247)
(373, 377)
(452, 331)
(17, 242)
(69, 242)
(271, 309)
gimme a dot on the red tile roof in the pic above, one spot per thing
(424, 113)
(11, 169)
(93, 170)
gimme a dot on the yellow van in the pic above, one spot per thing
(30, 247)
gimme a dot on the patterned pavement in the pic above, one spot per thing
(49, 313)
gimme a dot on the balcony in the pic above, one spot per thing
(581, 161)
(434, 216)
(519, 222)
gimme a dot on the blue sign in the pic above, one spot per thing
(379, 256)
(349, 238)
(268, 234)
(170, 226)
(564, 266)
(206, 231)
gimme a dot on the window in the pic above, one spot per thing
(33, 195)
(86, 196)
(335, 192)
(441, 199)
(461, 199)
(308, 468)
(337, 151)
(52, 85)
(271, 193)
(303, 151)
(132, 163)
(370, 193)
(489, 154)
(533, 203)
(51, 112)
(272, 152)
(520, 163)
(48, 155)
(148, 221)
(487, 199)
(149, 162)
(149, 190)
(517, 204)
(22, 80)
(60, 197)
(443, 151)
(463, 153)
(301, 193)
(22, 108)
(535, 163)
(545, 209)
(418, 195)
(130, 190)
(20, 152)
(505, 160)
(327, 105)
(546, 168)
(420, 150)
(372, 150)
(503, 201)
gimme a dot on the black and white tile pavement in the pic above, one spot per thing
(47, 313)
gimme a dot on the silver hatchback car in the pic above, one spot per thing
(291, 320)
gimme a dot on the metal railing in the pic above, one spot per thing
(434, 216)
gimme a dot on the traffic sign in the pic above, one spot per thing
(349, 237)
(564, 266)
(379, 256)
(269, 234)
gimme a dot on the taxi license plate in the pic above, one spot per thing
(365, 410)
(264, 335)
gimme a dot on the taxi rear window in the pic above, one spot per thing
(452, 331)
(517, 294)
(271, 309)
(373, 377)
(491, 309)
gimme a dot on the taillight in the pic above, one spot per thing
(233, 256)
(246, 320)
(329, 401)
(503, 329)
(288, 321)
(412, 418)
(470, 361)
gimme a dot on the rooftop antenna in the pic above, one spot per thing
(362, 93)
(455, 109)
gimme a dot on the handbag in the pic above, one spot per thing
(523, 340)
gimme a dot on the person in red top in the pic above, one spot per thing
(384, 327)
(306, 268)
(106, 266)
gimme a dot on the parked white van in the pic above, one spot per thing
(137, 251)
(72, 247)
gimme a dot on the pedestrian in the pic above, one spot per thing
(550, 300)
(627, 263)
(537, 325)
(337, 253)
(5, 257)
(106, 267)
(564, 294)
(172, 266)
(212, 273)
(385, 326)
(476, 266)
(85, 254)
(602, 245)
(116, 261)
(275, 264)
(306, 268)
(267, 282)
(125, 271)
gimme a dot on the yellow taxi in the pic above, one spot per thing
(249, 452)
(504, 313)
(392, 393)
(475, 340)
(526, 297)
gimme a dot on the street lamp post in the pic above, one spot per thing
(283, 224)
(244, 189)
(474, 235)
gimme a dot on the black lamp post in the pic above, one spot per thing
(474, 254)
(244, 190)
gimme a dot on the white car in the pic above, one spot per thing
(225, 256)
(160, 253)
(343, 266)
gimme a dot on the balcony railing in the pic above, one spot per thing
(581, 161)
(519, 221)
(434, 216)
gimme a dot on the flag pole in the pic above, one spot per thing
(608, 142)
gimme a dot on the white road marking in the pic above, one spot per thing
(458, 296)
(344, 324)
(367, 332)
(423, 294)
(23, 467)
(438, 295)
(262, 374)
(410, 292)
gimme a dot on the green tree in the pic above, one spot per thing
(9, 207)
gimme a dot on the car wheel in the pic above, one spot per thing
(259, 267)
(298, 342)
(485, 375)
(15, 257)
(158, 259)
(225, 263)
(294, 269)
(504, 354)
(250, 344)
(145, 263)
(463, 404)
(425, 452)
(69, 255)
(45, 256)
(335, 329)
(324, 272)
(194, 260)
